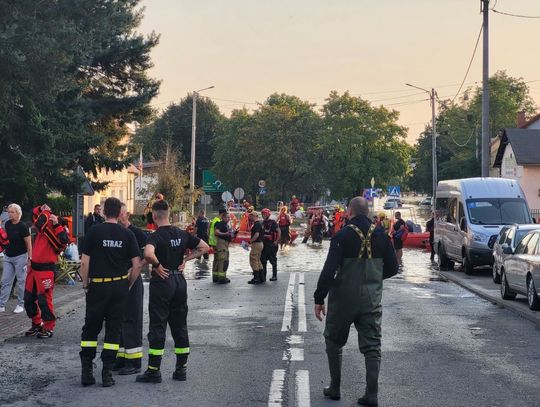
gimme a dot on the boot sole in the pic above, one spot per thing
(86, 384)
(129, 372)
(148, 381)
(179, 378)
(108, 384)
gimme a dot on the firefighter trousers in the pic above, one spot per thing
(38, 298)
(167, 305)
(131, 338)
(105, 302)
(255, 256)
(221, 260)
(269, 254)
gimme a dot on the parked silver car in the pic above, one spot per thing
(509, 236)
(520, 271)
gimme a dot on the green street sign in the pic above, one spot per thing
(211, 183)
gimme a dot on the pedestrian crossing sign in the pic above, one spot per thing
(394, 190)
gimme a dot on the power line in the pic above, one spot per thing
(470, 63)
(513, 15)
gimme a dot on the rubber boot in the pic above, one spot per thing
(131, 366)
(180, 372)
(335, 357)
(263, 275)
(106, 374)
(150, 376)
(87, 372)
(370, 399)
(119, 364)
(274, 275)
(256, 278)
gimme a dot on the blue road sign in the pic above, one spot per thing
(262, 191)
(394, 190)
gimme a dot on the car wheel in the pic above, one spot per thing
(532, 296)
(467, 266)
(506, 293)
(496, 275)
(442, 260)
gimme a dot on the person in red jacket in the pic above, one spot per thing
(51, 240)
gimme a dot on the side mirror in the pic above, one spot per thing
(507, 250)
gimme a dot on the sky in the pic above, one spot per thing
(249, 49)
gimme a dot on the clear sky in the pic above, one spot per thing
(249, 49)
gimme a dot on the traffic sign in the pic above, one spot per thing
(206, 199)
(394, 190)
(262, 191)
(239, 193)
(226, 196)
(262, 183)
(211, 183)
(372, 182)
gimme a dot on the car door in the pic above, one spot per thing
(455, 236)
(497, 252)
(512, 263)
(525, 263)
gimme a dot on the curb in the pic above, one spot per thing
(509, 305)
(60, 311)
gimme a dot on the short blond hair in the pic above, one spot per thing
(17, 208)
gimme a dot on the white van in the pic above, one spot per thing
(469, 213)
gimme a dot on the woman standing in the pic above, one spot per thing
(284, 223)
(16, 258)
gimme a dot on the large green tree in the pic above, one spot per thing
(459, 130)
(173, 128)
(73, 74)
(361, 141)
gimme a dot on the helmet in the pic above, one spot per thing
(266, 211)
(382, 215)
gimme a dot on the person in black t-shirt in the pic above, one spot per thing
(257, 237)
(272, 236)
(224, 236)
(129, 357)
(398, 233)
(109, 250)
(17, 257)
(165, 250)
(430, 227)
(202, 226)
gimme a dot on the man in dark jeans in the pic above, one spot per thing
(202, 225)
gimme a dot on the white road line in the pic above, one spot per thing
(276, 388)
(302, 326)
(296, 354)
(295, 340)
(287, 314)
(302, 389)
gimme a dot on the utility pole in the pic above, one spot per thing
(193, 141)
(433, 100)
(486, 137)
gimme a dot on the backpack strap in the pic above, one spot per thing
(365, 245)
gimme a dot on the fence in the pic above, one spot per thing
(535, 213)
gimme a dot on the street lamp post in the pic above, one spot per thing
(193, 140)
(432, 97)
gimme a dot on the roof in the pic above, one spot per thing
(530, 121)
(525, 143)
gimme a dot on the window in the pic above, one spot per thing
(441, 208)
(502, 236)
(523, 244)
(452, 214)
(531, 244)
(498, 211)
(510, 237)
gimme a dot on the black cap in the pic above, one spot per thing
(222, 211)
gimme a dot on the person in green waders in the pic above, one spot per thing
(359, 258)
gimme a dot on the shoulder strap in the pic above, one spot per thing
(365, 245)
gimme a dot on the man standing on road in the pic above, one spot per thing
(51, 240)
(93, 218)
(399, 232)
(430, 227)
(256, 240)
(129, 357)
(165, 251)
(109, 250)
(202, 225)
(272, 236)
(223, 235)
(359, 258)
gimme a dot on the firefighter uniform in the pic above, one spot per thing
(270, 248)
(362, 256)
(110, 248)
(221, 255)
(168, 302)
(50, 241)
(130, 353)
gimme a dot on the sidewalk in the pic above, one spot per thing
(66, 299)
(482, 285)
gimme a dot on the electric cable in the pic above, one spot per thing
(470, 63)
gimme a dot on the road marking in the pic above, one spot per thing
(276, 388)
(302, 389)
(294, 354)
(295, 340)
(302, 325)
(289, 299)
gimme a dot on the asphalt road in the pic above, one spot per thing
(257, 346)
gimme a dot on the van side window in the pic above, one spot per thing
(441, 209)
(451, 216)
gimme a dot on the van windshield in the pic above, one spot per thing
(498, 211)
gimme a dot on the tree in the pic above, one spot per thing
(173, 128)
(361, 142)
(73, 74)
(459, 130)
